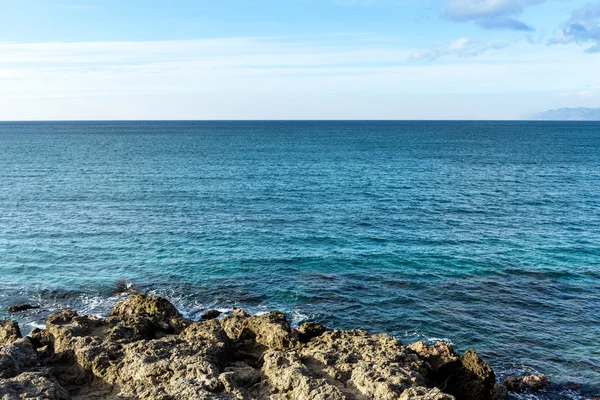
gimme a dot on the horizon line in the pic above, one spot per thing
(293, 120)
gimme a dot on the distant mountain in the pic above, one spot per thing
(569, 114)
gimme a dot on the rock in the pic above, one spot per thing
(31, 385)
(9, 332)
(271, 330)
(8, 369)
(211, 314)
(536, 382)
(437, 355)
(423, 393)
(372, 366)
(530, 383)
(499, 392)
(156, 309)
(123, 352)
(240, 375)
(289, 377)
(146, 350)
(21, 307)
(22, 354)
(309, 330)
(234, 324)
(467, 377)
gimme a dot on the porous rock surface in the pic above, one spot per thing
(147, 350)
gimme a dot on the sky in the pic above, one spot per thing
(296, 59)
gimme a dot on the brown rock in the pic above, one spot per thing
(32, 386)
(211, 314)
(22, 354)
(21, 307)
(9, 332)
(271, 330)
(153, 308)
(536, 382)
(467, 377)
(132, 362)
(370, 366)
(499, 392)
(309, 330)
(423, 393)
(289, 377)
(437, 355)
(145, 350)
(530, 383)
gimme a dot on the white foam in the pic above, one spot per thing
(435, 340)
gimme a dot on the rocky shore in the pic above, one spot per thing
(147, 350)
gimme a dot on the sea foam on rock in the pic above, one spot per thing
(147, 350)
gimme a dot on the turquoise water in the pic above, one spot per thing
(486, 234)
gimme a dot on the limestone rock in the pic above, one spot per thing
(21, 307)
(158, 310)
(467, 377)
(146, 350)
(22, 353)
(373, 366)
(437, 355)
(289, 378)
(9, 332)
(271, 330)
(211, 314)
(530, 383)
(32, 386)
(423, 393)
(309, 330)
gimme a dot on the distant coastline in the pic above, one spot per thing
(569, 114)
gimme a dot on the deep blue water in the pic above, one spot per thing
(486, 234)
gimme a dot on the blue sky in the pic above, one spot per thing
(297, 59)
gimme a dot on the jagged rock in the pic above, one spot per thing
(309, 330)
(530, 383)
(22, 353)
(240, 374)
(375, 366)
(467, 377)
(9, 332)
(21, 307)
(135, 363)
(289, 378)
(423, 393)
(8, 369)
(271, 330)
(211, 314)
(146, 350)
(158, 310)
(437, 355)
(32, 386)
(499, 392)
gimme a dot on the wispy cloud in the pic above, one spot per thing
(491, 14)
(582, 28)
(460, 48)
(252, 77)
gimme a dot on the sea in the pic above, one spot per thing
(482, 234)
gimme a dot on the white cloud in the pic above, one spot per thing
(278, 78)
(582, 28)
(491, 14)
(458, 49)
